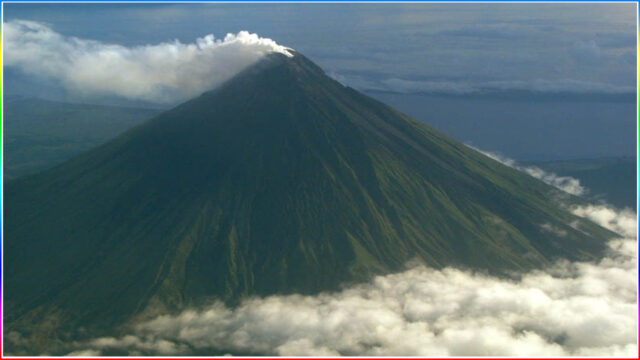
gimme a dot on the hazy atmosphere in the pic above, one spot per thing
(575, 62)
(320, 179)
(448, 48)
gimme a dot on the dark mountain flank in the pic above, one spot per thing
(280, 181)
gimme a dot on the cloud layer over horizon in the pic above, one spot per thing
(443, 87)
(410, 48)
(570, 309)
(167, 72)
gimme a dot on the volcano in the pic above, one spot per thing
(280, 181)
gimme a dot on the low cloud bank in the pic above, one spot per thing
(164, 73)
(571, 309)
(564, 183)
(624, 222)
(450, 87)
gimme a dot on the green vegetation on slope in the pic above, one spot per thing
(280, 181)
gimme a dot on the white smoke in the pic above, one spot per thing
(564, 183)
(571, 309)
(165, 73)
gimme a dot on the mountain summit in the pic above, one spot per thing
(282, 180)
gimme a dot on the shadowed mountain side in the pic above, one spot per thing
(279, 181)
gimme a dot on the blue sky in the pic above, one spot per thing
(447, 48)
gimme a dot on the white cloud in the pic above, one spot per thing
(539, 86)
(165, 72)
(411, 86)
(571, 309)
(564, 183)
(623, 222)
(560, 86)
